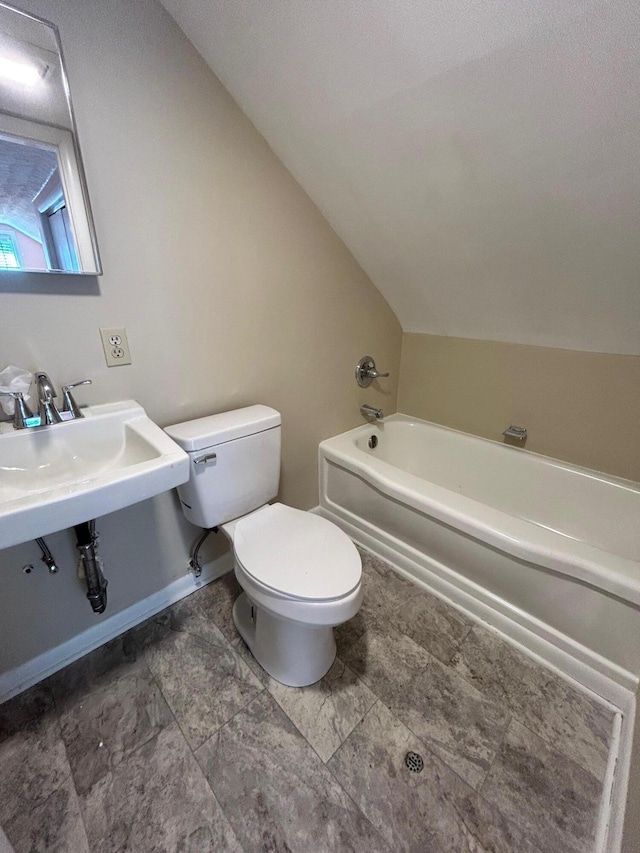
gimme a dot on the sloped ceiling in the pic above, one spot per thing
(24, 170)
(481, 159)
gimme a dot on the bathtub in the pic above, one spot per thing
(545, 551)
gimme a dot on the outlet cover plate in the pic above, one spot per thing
(116, 347)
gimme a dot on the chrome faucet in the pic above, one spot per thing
(371, 412)
(47, 409)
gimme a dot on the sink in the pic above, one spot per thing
(56, 476)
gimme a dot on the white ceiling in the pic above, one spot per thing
(479, 158)
(24, 39)
(24, 170)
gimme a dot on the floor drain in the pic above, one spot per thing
(414, 762)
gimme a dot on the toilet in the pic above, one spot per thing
(300, 574)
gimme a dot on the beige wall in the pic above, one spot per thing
(231, 285)
(582, 407)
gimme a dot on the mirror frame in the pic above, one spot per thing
(71, 167)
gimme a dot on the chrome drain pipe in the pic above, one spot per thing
(91, 564)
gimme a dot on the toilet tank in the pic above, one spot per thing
(234, 463)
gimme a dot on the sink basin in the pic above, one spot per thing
(54, 477)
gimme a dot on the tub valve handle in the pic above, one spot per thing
(366, 371)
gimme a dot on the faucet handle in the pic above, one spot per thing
(21, 412)
(69, 404)
(366, 371)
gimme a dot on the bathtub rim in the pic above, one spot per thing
(603, 570)
(401, 417)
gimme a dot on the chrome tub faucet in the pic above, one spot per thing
(371, 412)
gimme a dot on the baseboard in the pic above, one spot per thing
(621, 771)
(26, 675)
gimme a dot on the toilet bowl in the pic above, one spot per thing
(300, 574)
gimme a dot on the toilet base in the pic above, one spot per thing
(292, 653)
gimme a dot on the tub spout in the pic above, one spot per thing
(371, 412)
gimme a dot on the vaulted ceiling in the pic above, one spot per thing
(24, 170)
(479, 158)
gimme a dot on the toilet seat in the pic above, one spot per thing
(297, 554)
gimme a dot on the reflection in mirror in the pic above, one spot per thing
(45, 219)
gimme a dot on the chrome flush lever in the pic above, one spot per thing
(210, 457)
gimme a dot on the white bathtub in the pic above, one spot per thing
(542, 549)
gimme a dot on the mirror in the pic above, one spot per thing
(45, 218)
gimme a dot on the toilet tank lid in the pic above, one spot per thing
(226, 426)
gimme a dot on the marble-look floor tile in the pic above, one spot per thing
(567, 718)
(552, 798)
(384, 591)
(55, 826)
(243, 651)
(325, 712)
(26, 711)
(111, 661)
(5, 844)
(110, 722)
(275, 790)
(204, 683)
(386, 660)
(459, 724)
(211, 614)
(349, 632)
(216, 600)
(191, 616)
(33, 760)
(156, 800)
(145, 792)
(433, 810)
(433, 624)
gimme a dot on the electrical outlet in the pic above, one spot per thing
(116, 347)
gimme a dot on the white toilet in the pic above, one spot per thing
(301, 575)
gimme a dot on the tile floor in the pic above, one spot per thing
(172, 738)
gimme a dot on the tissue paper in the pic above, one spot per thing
(14, 379)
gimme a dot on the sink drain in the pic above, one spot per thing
(414, 762)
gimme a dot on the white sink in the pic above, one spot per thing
(56, 476)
